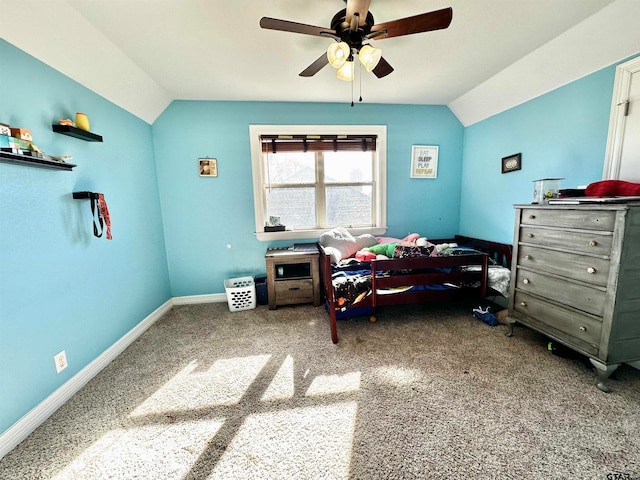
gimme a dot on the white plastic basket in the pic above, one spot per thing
(241, 293)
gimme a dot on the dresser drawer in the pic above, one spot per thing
(572, 323)
(586, 220)
(578, 267)
(579, 296)
(587, 242)
(294, 291)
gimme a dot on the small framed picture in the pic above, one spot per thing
(424, 161)
(208, 167)
(512, 163)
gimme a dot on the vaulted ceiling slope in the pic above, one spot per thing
(143, 54)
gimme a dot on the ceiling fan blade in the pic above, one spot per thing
(361, 7)
(295, 27)
(382, 69)
(315, 67)
(424, 22)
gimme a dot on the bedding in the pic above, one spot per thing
(411, 274)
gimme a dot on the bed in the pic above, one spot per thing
(356, 288)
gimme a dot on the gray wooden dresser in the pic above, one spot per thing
(576, 278)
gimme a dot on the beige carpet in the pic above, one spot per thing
(426, 392)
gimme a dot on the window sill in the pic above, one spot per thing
(315, 234)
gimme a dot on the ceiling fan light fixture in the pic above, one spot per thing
(347, 71)
(369, 57)
(338, 53)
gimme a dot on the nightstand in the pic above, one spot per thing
(292, 277)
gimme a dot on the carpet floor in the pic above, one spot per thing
(426, 392)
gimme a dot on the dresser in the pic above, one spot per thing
(576, 278)
(292, 277)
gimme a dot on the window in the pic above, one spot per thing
(318, 177)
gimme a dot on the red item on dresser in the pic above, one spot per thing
(612, 188)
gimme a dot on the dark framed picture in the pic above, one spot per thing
(208, 167)
(512, 163)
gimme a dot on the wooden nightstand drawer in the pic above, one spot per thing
(294, 291)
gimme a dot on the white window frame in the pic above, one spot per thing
(380, 175)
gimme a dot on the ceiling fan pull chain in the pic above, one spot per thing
(360, 80)
(352, 90)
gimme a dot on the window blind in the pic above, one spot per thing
(318, 143)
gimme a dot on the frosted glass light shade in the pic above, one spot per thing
(338, 53)
(369, 57)
(346, 72)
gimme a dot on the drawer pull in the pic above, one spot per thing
(591, 270)
(527, 257)
(293, 289)
(523, 304)
(530, 235)
(593, 243)
(583, 329)
(532, 217)
(525, 281)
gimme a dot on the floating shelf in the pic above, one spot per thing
(34, 161)
(76, 133)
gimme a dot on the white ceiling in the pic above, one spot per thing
(142, 54)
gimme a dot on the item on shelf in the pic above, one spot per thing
(545, 188)
(18, 143)
(61, 158)
(5, 129)
(67, 121)
(82, 121)
(22, 134)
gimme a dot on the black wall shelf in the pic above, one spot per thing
(77, 133)
(34, 161)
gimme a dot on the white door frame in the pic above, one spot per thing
(617, 118)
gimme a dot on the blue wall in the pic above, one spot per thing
(562, 134)
(61, 288)
(202, 215)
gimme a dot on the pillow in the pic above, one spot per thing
(339, 243)
(408, 240)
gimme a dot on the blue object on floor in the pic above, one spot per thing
(486, 315)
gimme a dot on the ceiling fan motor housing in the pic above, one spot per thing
(353, 38)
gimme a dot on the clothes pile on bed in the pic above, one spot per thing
(351, 257)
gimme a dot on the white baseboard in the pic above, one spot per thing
(193, 299)
(33, 419)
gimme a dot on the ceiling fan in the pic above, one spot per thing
(352, 28)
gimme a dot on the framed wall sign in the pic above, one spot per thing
(424, 161)
(208, 167)
(512, 163)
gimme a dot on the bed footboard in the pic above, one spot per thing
(396, 273)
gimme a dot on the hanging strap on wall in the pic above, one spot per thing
(97, 219)
(104, 215)
(99, 212)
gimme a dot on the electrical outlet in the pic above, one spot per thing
(61, 361)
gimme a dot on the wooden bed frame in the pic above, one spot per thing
(417, 271)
